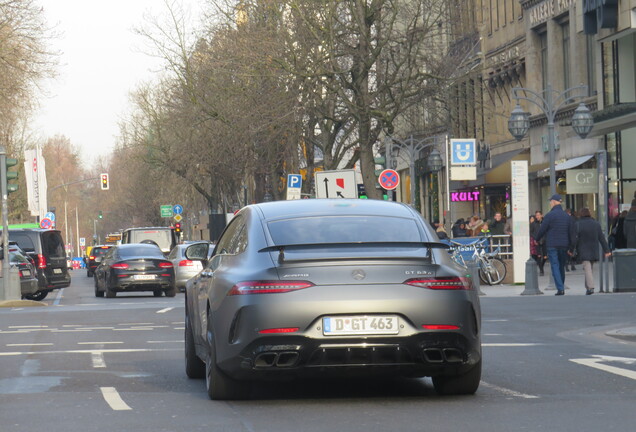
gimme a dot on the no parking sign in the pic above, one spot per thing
(389, 179)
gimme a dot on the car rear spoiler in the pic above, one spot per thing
(281, 248)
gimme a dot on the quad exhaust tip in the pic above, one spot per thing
(443, 355)
(283, 359)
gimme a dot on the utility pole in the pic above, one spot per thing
(6, 262)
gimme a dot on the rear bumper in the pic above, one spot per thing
(53, 282)
(28, 286)
(131, 284)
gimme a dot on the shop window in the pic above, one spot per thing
(591, 64)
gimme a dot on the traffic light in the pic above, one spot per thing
(100, 216)
(104, 177)
(11, 175)
(381, 163)
(177, 227)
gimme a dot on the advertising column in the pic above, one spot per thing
(520, 219)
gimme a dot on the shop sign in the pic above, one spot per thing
(581, 181)
(599, 14)
(548, 9)
(465, 196)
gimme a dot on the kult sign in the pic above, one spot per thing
(465, 196)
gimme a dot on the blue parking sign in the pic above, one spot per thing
(463, 151)
(294, 181)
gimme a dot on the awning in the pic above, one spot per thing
(573, 163)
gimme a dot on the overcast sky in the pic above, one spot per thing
(101, 63)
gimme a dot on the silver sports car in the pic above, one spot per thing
(330, 287)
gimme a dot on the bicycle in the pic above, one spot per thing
(492, 269)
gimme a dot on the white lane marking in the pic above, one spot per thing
(509, 392)
(112, 398)
(168, 309)
(496, 320)
(98, 359)
(493, 334)
(178, 322)
(160, 342)
(509, 344)
(28, 327)
(58, 299)
(595, 363)
(135, 324)
(29, 344)
(123, 350)
(98, 343)
(70, 331)
(179, 328)
(134, 329)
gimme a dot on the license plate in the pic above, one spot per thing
(57, 271)
(144, 277)
(360, 325)
(26, 272)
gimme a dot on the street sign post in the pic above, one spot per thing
(294, 185)
(177, 209)
(336, 184)
(178, 217)
(166, 211)
(389, 179)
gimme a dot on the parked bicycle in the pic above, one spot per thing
(492, 269)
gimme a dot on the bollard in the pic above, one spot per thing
(532, 279)
(473, 269)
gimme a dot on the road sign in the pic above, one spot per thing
(463, 151)
(389, 179)
(166, 211)
(177, 209)
(336, 184)
(82, 241)
(294, 184)
(178, 217)
(50, 215)
(46, 223)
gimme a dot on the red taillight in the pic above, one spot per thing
(41, 261)
(440, 327)
(442, 283)
(165, 264)
(119, 266)
(186, 263)
(279, 330)
(268, 287)
(20, 273)
(91, 257)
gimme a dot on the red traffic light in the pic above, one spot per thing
(177, 227)
(104, 178)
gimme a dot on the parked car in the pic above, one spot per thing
(27, 273)
(46, 248)
(134, 267)
(330, 287)
(164, 237)
(184, 269)
(94, 258)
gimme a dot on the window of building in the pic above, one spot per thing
(565, 31)
(591, 64)
(610, 72)
(543, 55)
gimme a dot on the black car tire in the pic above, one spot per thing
(38, 296)
(157, 293)
(464, 384)
(89, 273)
(194, 366)
(171, 292)
(98, 293)
(218, 385)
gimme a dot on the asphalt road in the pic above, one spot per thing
(95, 364)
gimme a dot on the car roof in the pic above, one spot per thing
(333, 207)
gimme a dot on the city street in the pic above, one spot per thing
(98, 364)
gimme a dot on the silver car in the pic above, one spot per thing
(330, 287)
(184, 269)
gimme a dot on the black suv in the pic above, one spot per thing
(46, 247)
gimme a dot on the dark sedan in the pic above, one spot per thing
(330, 287)
(92, 261)
(134, 267)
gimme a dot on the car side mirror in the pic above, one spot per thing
(198, 252)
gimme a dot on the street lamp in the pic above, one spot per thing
(550, 102)
(413, 147)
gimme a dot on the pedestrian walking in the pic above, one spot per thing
(617, 238)
(629, 227)
(588, 236)
(560, 235)
(541, 254)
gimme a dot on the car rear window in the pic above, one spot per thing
(52, 244)
(99, 251)
(162, 237)
(23, 240)
(140, 250)
(343, 229)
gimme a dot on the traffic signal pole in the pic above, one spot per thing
(6, 264)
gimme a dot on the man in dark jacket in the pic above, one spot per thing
(497, 225)
(629, 227)
(588, 237)
(560, 235)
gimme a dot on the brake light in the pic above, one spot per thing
(279, 330)
(440, 327)
(91, 257)
(186, 263)
(268, 287)
(165, 265)
(442, 283)
(119, 266)
(41, 261)
(20, 273)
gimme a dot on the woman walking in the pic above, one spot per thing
(589, 235)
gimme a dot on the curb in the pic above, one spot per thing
(626, 334)
(20, 303)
